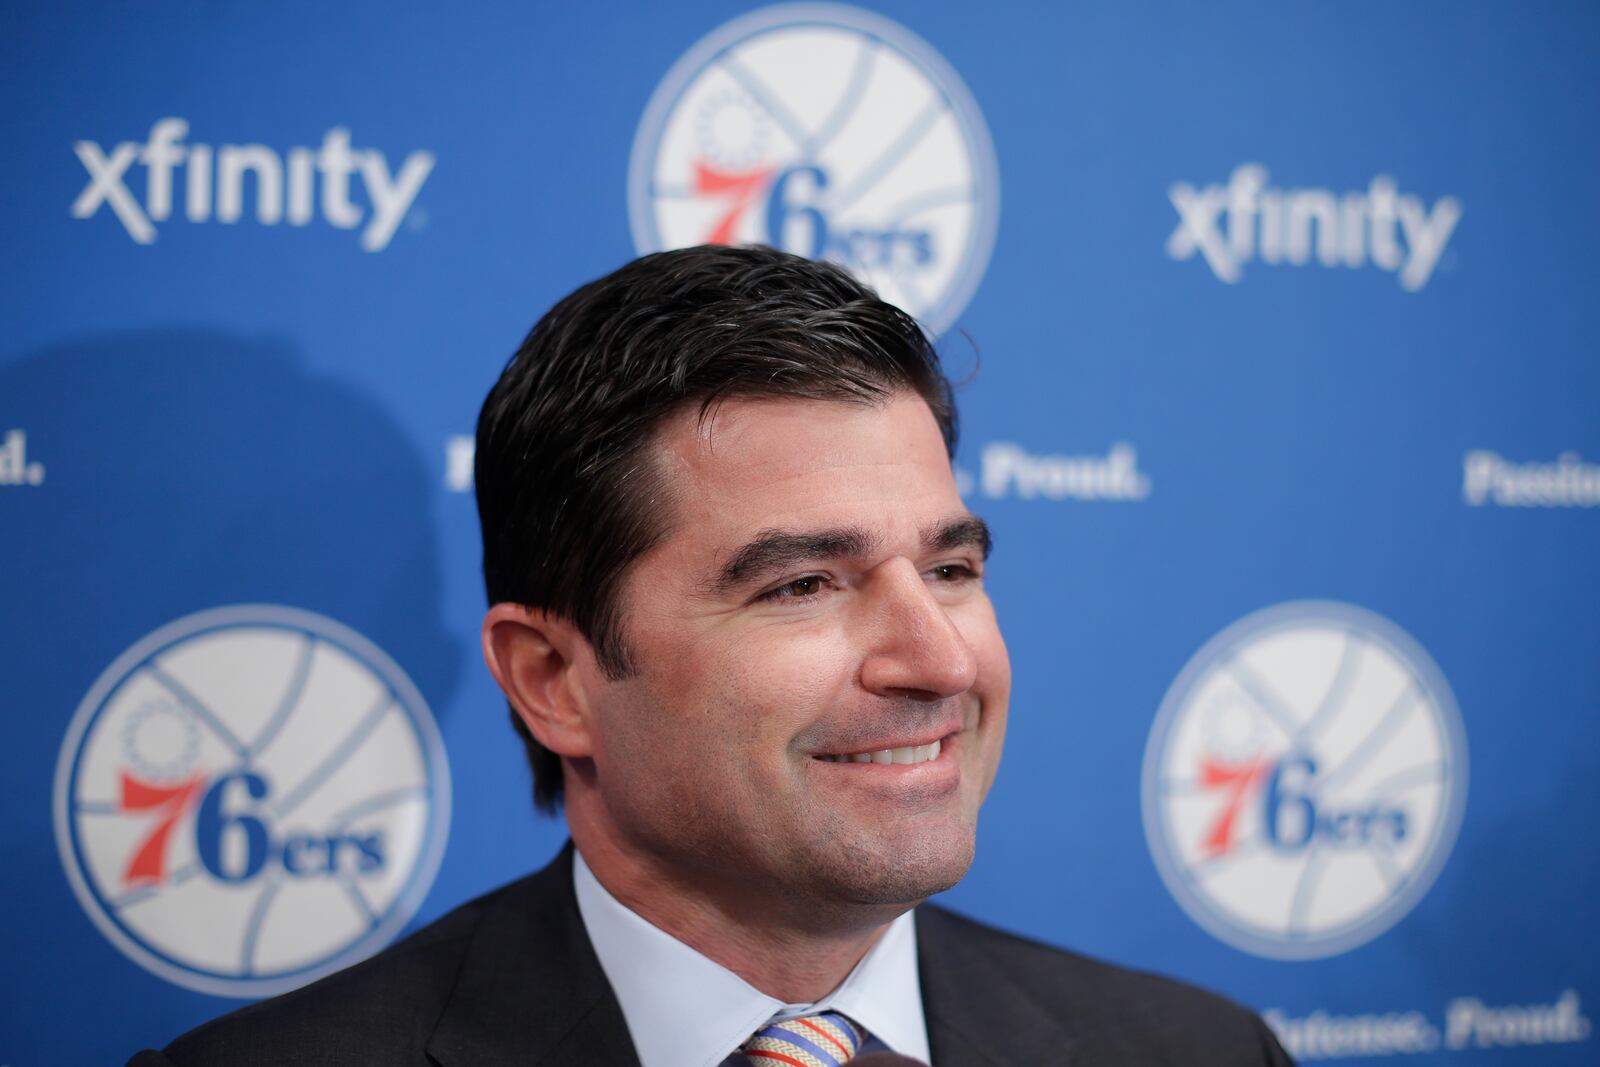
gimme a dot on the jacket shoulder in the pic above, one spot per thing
(1113, 1014)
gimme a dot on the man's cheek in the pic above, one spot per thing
(994, 664)
(792, 681)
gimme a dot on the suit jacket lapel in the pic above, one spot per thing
(976, 1010)
(531, 989)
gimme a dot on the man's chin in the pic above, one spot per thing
(905, 873)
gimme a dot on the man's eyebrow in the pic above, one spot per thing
(968, 531)
(777, 550)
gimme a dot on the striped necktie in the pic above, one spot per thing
(825, 1040)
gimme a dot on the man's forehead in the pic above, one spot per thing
(751, 466)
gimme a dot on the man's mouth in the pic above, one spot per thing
(906, 754)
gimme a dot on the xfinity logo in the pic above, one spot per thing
(290, 188)
(1231, 224)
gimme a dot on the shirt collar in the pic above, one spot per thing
(684, 1010)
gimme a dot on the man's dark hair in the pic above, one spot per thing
(567, 495)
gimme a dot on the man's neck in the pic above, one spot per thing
(790, 949)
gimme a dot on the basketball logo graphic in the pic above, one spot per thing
(829, 132)
(1304, 780)
(250, 798)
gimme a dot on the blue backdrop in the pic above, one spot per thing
(1277, 324)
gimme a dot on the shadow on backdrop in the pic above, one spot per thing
(183, 470)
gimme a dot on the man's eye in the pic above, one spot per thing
(799, 589)
(953, 572)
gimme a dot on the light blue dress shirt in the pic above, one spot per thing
(684, 1010)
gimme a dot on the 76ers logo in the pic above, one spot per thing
(832, 133)
(249, 798)
(1304, 780)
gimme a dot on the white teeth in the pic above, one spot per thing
(904, 755)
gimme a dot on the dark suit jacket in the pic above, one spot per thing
(511, 978)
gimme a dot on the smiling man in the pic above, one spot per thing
(737, 610)
(814, 697)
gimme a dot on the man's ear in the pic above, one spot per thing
(540, 661)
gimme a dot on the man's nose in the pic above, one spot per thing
(915, 649)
